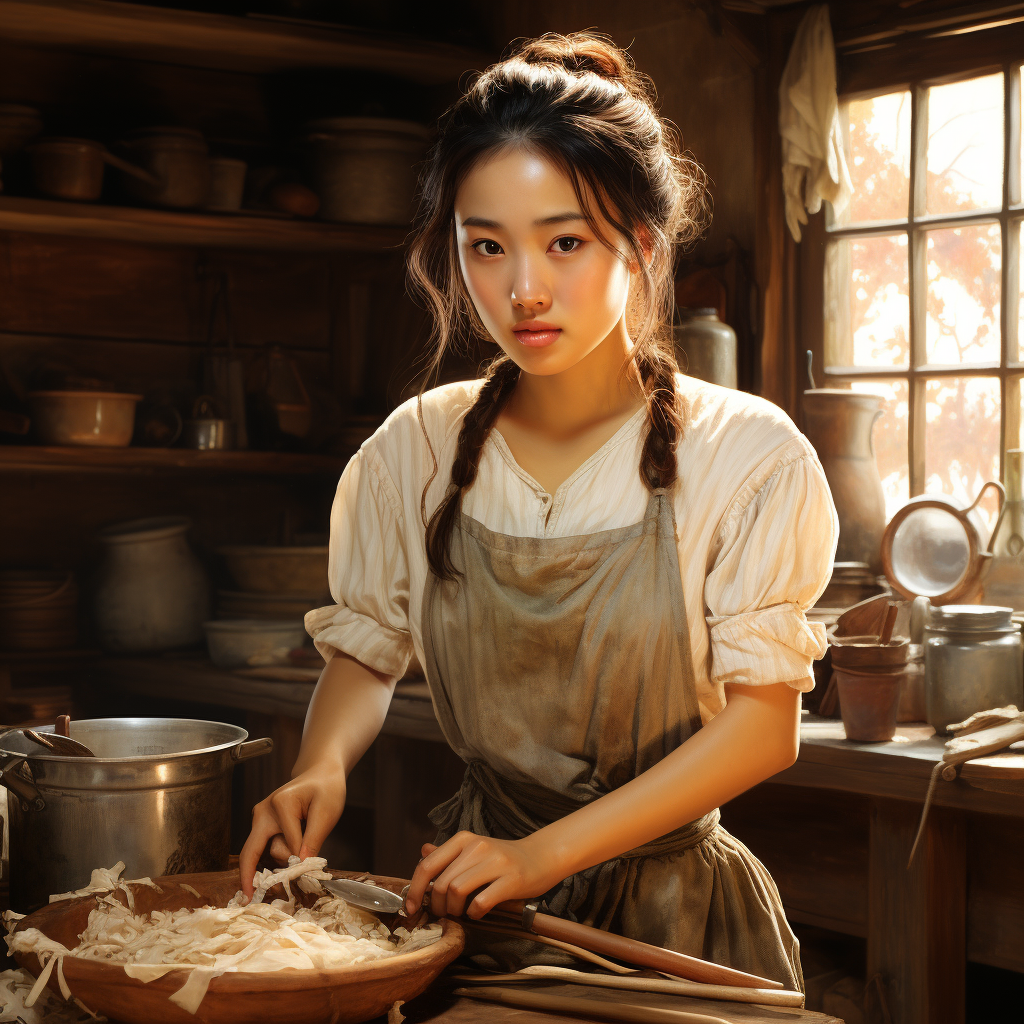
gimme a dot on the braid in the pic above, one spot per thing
(494, 395)
(665, 422)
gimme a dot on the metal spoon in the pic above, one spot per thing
(64, 746)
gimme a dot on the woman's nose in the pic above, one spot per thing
(529, 290)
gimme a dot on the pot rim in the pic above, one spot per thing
(152, 528)
(88, 762)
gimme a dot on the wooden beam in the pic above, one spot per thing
(895, 64)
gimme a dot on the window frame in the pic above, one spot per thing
(1009, 216)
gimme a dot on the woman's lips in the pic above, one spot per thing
(538, 339)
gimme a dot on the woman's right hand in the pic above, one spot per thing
(315, 797)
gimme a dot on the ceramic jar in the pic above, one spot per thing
(152, 593)
(972, 662)
(838, 423)
(708, 346)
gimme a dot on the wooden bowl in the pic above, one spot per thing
(343, 995)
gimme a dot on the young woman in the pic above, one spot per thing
(601, 564)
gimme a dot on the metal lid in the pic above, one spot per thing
(970, 617)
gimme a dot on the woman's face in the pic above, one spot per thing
(546, 288)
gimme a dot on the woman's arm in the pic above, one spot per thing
(755, 736)
(345, 715)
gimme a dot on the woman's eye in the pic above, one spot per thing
(487, 247)
(567, 243)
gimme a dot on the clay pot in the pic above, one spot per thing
(152, 593)
(869, 676)
(838, 423)
(364, 169)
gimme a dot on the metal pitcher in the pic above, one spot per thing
(838, 423)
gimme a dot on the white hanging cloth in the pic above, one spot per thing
(813, 162)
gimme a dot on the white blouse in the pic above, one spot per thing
(756, 530)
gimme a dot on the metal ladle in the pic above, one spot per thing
(59, 742)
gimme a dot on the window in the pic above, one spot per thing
(922, 290)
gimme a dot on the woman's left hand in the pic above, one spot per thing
(503, 869)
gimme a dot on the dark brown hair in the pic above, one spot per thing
(578, 100)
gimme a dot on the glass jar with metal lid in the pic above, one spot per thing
(972, 661)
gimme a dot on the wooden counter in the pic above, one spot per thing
(834, 830)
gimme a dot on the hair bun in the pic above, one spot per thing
(580, 52)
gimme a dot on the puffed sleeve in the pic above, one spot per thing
(368, 572)
(774, 558)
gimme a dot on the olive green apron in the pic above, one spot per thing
(560, 669)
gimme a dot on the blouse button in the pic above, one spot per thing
(546, 498)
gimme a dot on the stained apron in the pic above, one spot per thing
(560, 669)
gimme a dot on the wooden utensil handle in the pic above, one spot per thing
(643, 954)
(62, 727)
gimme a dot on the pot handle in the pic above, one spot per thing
(254, 748)
(27, 794)
(1002, 500)
(129, 168)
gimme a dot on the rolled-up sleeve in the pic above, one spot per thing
(774, 558)
(368, 572)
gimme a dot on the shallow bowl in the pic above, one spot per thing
(341, 995)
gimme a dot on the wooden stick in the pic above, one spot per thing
(663, 986)
(593, 1009)
(643, 954)
(577, 951)
(891, 611)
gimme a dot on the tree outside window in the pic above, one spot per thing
(921, 282)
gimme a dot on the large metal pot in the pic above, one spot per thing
(156, 796)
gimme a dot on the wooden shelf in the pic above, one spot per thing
(252, 44)
(38, 458)
(182, 227)
(194, 678)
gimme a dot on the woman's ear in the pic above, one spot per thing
(643, 236)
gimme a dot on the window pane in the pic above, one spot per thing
(867, 302)
(889, 440)
(877, 139)
(1019, 228)
(963, 295)
(965, 145)
(962, 440)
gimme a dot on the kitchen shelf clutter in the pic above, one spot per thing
(190, 228)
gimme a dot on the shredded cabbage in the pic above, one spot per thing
(246, 935)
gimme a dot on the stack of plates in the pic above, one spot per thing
(38, 610)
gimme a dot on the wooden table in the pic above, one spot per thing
(438, 1006)
(835, 831)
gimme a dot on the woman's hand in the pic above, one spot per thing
(315, 797)
(503, 869)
